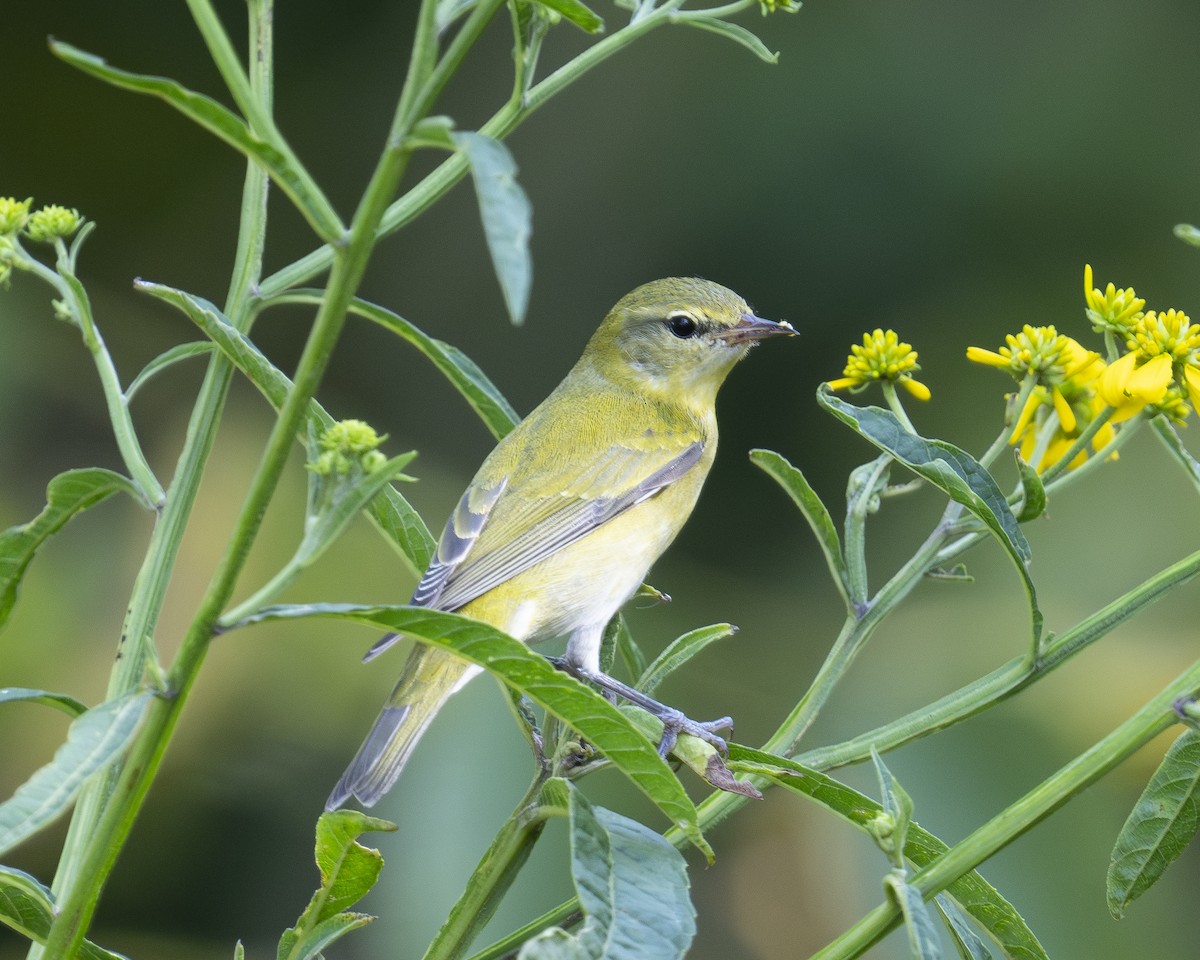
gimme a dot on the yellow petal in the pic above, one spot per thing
(990, 357)
(1191, 377)
(1149, 382)
(1026, 416)
(843, 383)
(1111, 383)
(916, 388)
(1066, 416)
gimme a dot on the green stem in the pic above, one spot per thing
(1081, 443)
(1170, 438)
(1155, 717)
(491, 879)
(894, 404)
(91, 848)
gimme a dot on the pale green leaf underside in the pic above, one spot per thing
(27, 907)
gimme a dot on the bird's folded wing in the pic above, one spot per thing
(496, 533)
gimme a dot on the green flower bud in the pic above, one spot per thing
(346, 445)
(13, 215)
(52, 223)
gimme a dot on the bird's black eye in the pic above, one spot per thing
(682, 325)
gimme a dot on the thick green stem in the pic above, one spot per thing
(492, 877)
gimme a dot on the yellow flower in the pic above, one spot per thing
(1064, 370)
(13, 214)
(52, 223)
(1161, 367)
(1062, 440)
(881, 356)
(1115, 310)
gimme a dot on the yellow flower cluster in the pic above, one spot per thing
(881, 357)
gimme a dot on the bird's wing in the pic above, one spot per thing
(496, 532)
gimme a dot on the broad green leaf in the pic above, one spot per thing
(730, 31)
(994, 914)
(966, 941)
(796, 486)
(67, 494)
(633, 889)
(1033, 499)
(95, 739)
(27, 907)
(679, 652)
(225, 125)
(348, 872)
(507, 216)
(1160, 826)
(68, 705)
(531, 675)
(392, 514)
(586, 19)
(166, 359)
(918, 924)
(955, 472)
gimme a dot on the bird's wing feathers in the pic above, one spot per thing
(496, 534)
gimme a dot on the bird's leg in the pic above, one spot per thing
(674, 721)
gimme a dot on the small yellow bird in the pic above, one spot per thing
(568, 512)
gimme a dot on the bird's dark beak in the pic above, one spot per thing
(751, 328)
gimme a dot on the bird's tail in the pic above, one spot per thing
(430, 676)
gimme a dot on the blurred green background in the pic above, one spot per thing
(940, 167)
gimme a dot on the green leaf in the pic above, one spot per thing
(728, 30)
(994, 914)
(507, 216)
(165, 359)
(1187, 233)
(206, 113)
(27, 907)
(796, 486)
(966, 941)
(67, 494)
(392, 514)
(1160, 826)
(918, 924)
(562, 696)
(68, 705)
(1033, 492)
(633, 889)
(96, 738)
(955, 472)
(462, 372)
(897, 809)
(586, 19)
(348, 872)
(679, 652)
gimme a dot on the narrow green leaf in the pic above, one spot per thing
(68, 705)
(239, 951)
(679, 652)
(731, 31)
(633, 889)
(796, 486)
(348, 872)
(67, 494)
(225, 125)
(27, 907)
(897, 808)
(507, 216)
(955, 472)
(462, 372)
(1162, 823)
(994, 914)
(625, 647)
(95, 739)
(391, 513)
(583, 17)
(1033, 492)
(165, 359)
(1187, 233)
(562, 696)
(966, 941)
(918, 924)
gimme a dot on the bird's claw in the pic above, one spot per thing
(675, 723)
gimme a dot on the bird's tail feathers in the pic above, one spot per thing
(430, 676)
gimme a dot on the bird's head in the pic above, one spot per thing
(678, 337)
